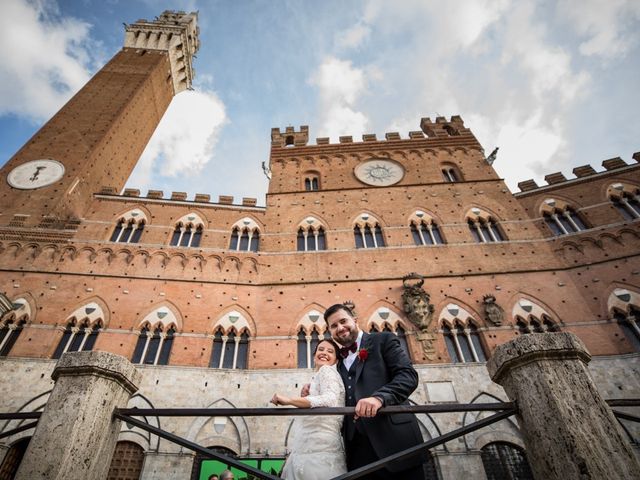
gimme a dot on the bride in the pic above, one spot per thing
(317, 452)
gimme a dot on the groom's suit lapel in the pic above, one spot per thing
(364, 344)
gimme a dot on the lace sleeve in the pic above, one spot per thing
(330, 388)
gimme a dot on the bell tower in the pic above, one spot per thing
(97, 138)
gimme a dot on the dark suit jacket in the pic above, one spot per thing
(386, 373)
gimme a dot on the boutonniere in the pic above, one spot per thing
(363, 354)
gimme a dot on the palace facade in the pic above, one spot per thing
(219, 302)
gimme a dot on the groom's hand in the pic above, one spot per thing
(367, 407)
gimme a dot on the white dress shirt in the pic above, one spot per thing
(348, 361)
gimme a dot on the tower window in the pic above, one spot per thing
(630, 325)
(485, 230)
(186, 236)
(463, 344)
(311, 239)
(626, 201)
(368, 235)
(230, 351)
(426, 233)
(245, 240)
(153, 346)
(80, 338)
(10, 330)
(311, 182)
(564, 221)
(450, 175)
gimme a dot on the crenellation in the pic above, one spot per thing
(181, 196)
(554, 178)
(392, 136)
(157, 194)
(614, 163)
(290, 137)
(322, 141)
(202, 198)
(131, 192)
(527, 185)
(636, 157)
(416, 135)
(249, 201)
(346, 139)
(369, 137)
(583, 171)
(225, 199)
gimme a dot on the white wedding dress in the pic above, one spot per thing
(317, 452)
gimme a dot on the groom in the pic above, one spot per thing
(376, 372)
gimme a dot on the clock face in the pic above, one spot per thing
(379, 172)
(35, 174)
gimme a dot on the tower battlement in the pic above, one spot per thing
(440, 129)
(173, 32)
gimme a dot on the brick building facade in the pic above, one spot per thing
(220, 303)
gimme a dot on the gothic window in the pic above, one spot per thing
(367, 233)
(424, 230)
(78, 337)
(386, 320)
(230, 350)
(10, 330)
(311, 236)
(461, 336)
(450, 174)
(626, 199)
(188, 231)
(561, 218)
(307, 344)
(13, 458)
(129, 227)
(532, 318)
(503, 460)
(485, 230)
(630, 325)
(245, 236)
(311, 182)
(154, 345)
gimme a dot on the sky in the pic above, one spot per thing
(554, 85)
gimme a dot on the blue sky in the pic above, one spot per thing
(553, 84)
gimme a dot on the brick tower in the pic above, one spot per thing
(97, 138)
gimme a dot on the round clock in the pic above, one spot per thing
(380, 172)
(35, 174)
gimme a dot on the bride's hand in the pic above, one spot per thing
(279, 399)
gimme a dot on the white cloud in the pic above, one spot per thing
(610, 26)
(354, 36)
(44, 60)
(340, 85)
(185, 139)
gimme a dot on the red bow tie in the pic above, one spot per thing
(344, 351)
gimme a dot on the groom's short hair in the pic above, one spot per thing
(334, 308)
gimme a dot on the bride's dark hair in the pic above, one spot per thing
(328, 340)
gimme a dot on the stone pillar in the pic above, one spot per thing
(76, 434)
(569, 431)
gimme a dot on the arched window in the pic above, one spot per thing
(503, 460)
(245, 236)
(129, 227)
(311, 236)
(229, 351)
(463, 343)
(367, 233)
(626, 199)
(450, 174)
(311, 182)
(630, 325)
(186, 236)
(561, 218)
(386, 320)
(483, 227)
(154, 345)
(78, 338)
(424, 229)
(10, 330)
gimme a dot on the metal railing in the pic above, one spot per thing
(504, 410)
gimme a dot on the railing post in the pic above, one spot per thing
(569, 431)
(76, 434)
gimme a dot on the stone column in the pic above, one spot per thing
(569, 431)
(76, 434)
